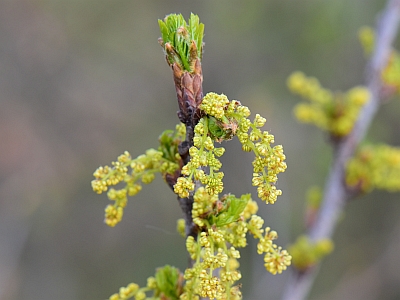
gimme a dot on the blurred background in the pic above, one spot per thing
(83, 81)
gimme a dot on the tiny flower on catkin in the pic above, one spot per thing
(183, 186)
(214, 105)
(180, 227)
(113, 215)
(277, 261)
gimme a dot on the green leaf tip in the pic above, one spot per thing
(167, 279)
(182, 42)
(234, 208)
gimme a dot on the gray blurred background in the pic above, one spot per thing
(82, 81)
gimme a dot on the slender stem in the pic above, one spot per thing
(336, 194)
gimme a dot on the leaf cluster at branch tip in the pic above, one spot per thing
(182, 42)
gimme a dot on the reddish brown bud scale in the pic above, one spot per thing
(189, 92)
(193, 55)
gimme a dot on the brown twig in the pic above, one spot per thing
(189, 91)
(336, 194)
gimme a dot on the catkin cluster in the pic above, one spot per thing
(224, 225)
(374, 167)
(391, 73)
(132, 172)
(166, 284)
(202, 154)
(227, 220)
(333, 112)
(223, 120)
(306, 254)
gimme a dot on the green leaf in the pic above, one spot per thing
(166, 137)
(167, 281)
(167, 146)
(164, 30)
(220, 130)
(235, 206)
(214, 128)
(197, 32)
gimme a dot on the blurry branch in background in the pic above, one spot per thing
(336, 194)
